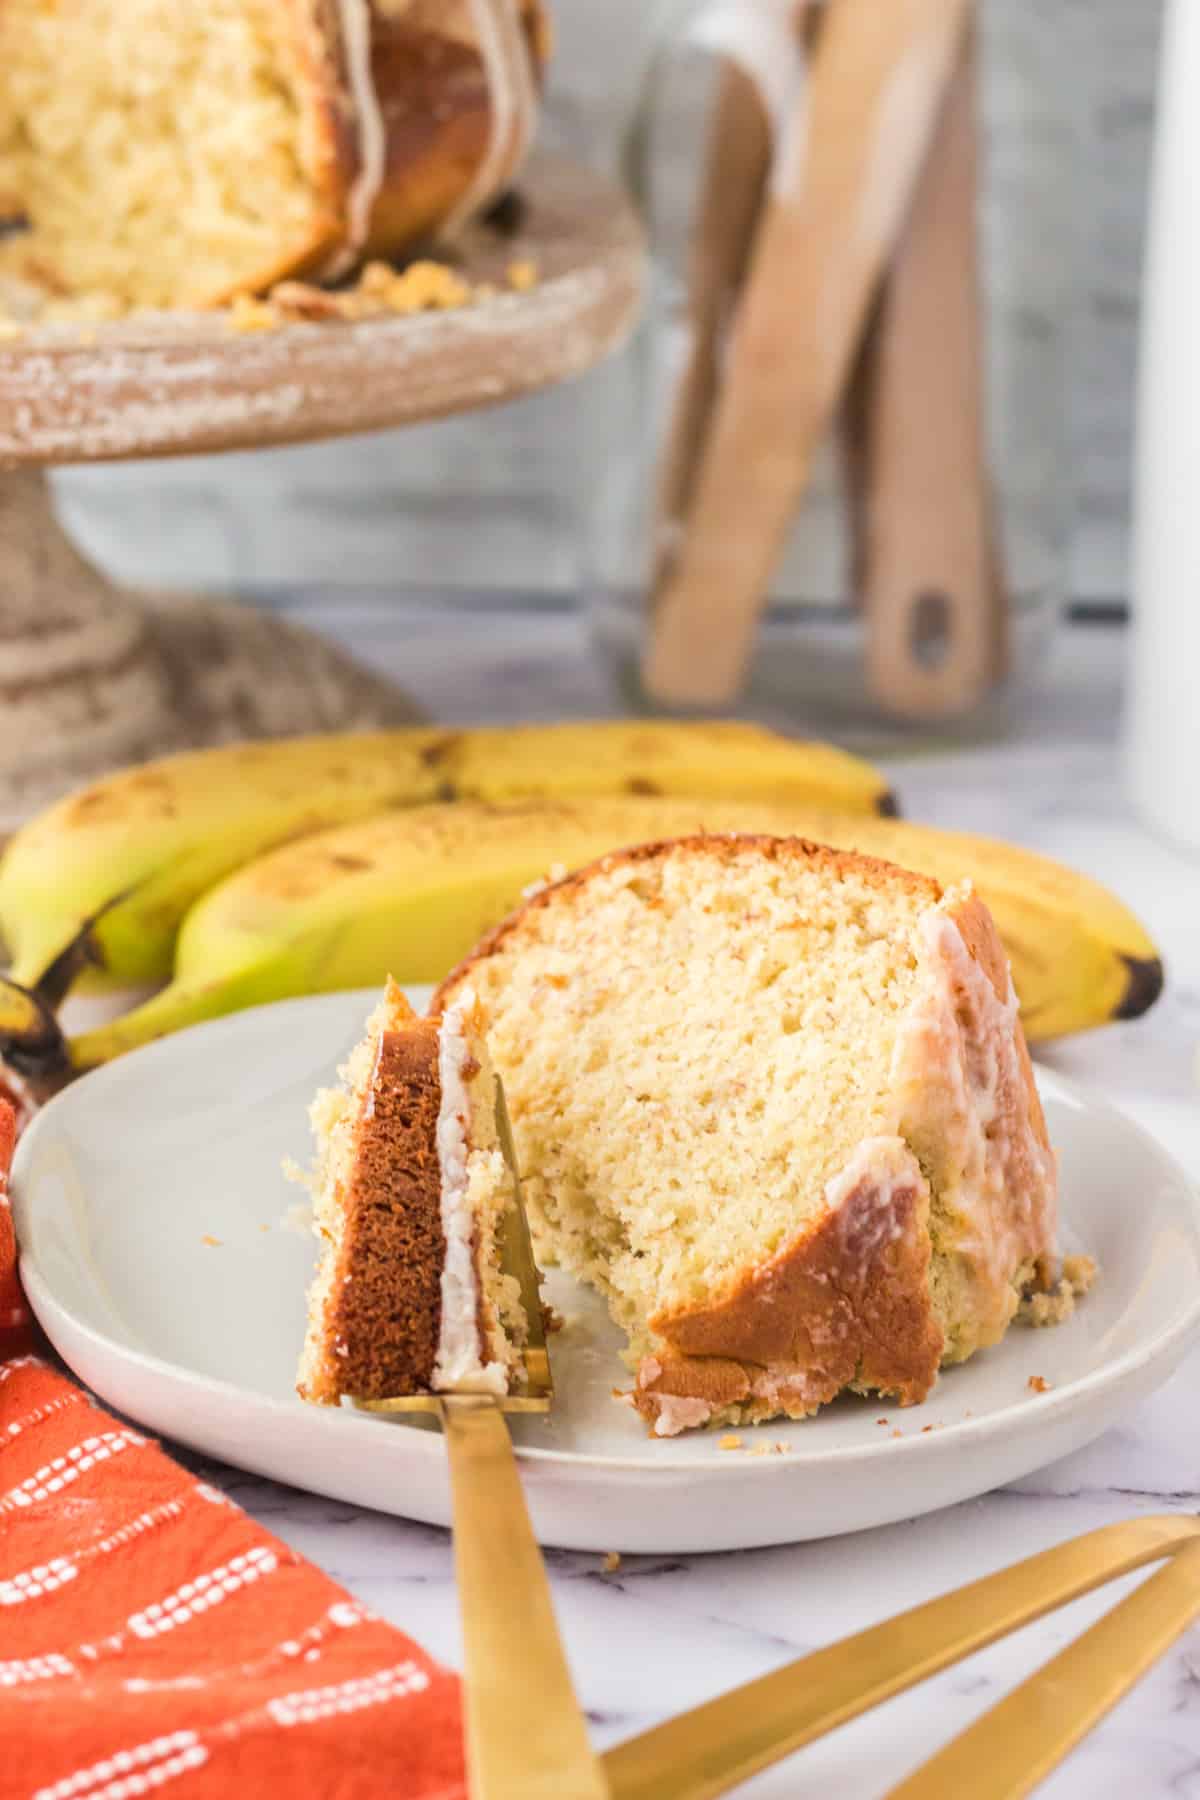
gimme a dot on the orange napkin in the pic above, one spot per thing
(154, 1639)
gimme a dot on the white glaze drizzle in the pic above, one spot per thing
(458, 1363)
(356, 24)
(512, 106)
(972, 1083)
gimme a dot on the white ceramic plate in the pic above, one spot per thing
(123, 1181)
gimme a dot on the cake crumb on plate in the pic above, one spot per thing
(213, 1243)
(1076, 1278)
(1038, 1384)
(612, 1562)
(731, 1441)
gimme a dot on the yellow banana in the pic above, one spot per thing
(120, 862)
(411, 892)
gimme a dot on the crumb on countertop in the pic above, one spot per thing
(612, 1562)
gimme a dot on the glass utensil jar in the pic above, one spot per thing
(845, 417)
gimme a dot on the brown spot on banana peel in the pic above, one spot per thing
(1143, 985)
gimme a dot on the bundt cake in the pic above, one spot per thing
(774, 1101)
(410, 1190)
(178, 152)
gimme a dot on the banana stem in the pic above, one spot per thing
(31, 1041)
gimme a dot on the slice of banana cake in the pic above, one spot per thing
(774, 1101)
(410, 1191)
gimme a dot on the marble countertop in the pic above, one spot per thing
(660, 1634)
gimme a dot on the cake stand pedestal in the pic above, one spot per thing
(93, 675)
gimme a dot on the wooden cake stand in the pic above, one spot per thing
(91, 675)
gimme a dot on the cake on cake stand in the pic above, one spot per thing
(92, 675)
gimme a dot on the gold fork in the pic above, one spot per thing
(526, 1737)
(708, 1751)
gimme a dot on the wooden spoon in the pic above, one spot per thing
(929, 560)
(738, 162)
(864, 127)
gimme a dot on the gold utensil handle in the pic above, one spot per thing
(710, 1750)
(1015, 1745)
(526, 1737)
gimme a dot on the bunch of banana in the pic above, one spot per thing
(100, 883)
(410, 892)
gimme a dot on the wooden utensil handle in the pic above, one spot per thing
(738, 162)
(927, 555)
(873, 98)
(526, 1737)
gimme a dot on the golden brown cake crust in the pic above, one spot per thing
(433, 94)
(731, 845)
(383, 1315)
(847, 1302)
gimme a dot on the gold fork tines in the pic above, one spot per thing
(526, 1735)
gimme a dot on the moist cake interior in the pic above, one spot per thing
(159, 149)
